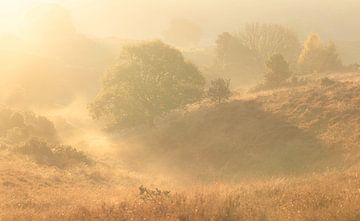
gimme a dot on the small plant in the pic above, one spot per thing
(147, 194)
(219, 90)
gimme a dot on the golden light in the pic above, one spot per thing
(13, 12)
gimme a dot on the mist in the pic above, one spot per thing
(179, 110)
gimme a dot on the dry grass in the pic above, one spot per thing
(280, 131)
(331, 196)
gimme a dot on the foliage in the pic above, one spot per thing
(52, 155)
(19, 126)
(318, 57)
(150, 80)
(152, 195)
(279, 71)
(219, 90)
(242, 56)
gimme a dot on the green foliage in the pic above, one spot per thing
(150, 80)
(319, 57)
(219, 90)
(279, 71)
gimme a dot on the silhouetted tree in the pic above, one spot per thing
(318, 57)
(150, 80)
(278, 72)
(219, 90)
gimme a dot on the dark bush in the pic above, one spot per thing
(61, 156)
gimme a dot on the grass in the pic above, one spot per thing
(330, 196)
(279, 133)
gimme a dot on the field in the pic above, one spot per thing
(315, 127)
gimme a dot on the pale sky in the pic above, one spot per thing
(148, 18)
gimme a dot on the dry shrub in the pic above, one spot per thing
(61, 156)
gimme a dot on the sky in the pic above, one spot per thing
(141, 19)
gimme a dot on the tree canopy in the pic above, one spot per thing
(319, 57)
(149, 80)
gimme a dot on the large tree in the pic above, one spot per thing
(149, 80)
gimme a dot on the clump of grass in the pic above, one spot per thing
(150, 195)
(61, 156)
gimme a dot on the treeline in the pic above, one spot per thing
(152, 78)
(262, 51)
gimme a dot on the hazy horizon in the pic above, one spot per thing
(110, 18)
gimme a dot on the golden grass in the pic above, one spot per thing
(331, 196)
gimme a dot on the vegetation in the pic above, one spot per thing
(242, 56)
(148, 141)
(279, 71)
(61, 156)
(150, 80)
(319, 57)
(269, 39)
(219, 90)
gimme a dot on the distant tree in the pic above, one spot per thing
(278, 72)
(269, 39)
(234, 60)
(318, 57)
(219, 90)
(150, 80)
(183, 33)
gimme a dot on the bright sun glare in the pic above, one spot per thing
(12, 14)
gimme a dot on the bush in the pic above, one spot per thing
(219, 90)
(278, 73)
(61, 156)
(19, 126)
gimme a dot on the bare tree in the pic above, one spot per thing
(269, 39)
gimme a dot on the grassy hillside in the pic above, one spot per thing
(294, 151)
(286, 131)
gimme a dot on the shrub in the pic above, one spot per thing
(219, 90)
(61, 156)
(279, 71)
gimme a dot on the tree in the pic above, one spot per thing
(150, 80)
(269, 39)
(234, 60)
(219, 90)
(279, 71)
(318, 57)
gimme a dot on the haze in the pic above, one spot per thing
(179, 110)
